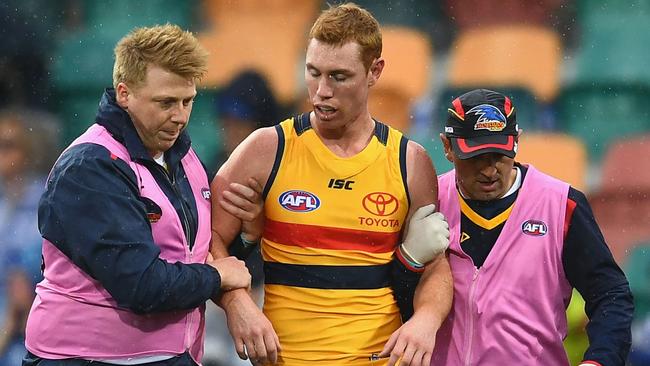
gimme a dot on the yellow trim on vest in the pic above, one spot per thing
(480, 220)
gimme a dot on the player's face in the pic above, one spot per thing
(338, 82)
(483, 177)
(160, 107)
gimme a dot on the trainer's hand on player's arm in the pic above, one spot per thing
(251, 331)
(233, 272)
(427, 235)
(245, 202)
(412, 343)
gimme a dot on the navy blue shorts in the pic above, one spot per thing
(33, 360)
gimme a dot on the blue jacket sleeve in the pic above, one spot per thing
(591, 269)
(92, 212)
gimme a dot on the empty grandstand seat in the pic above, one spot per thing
(610, 51)
(608, 97)
(436, 151)
(559, 155)
(624, 219)
(622, 204)
(508, 55)
(481, 13)
(204, 127)
(601, 113)
(82, 61)
(637, 270)
(405, 77)
(116, 17)
(626, 166)
(423, 15)
(81, 68)
(268, 36)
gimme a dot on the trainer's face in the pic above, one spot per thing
(160, 107)
(483, 177)
(338, 82)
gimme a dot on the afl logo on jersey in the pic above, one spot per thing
(534, 228)
(299, 201)
(380, 203)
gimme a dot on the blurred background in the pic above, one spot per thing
(577, 72)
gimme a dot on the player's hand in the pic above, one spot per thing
(412, 343)
(245, 202)
(427, 236)
(251, 331)
(233, 272)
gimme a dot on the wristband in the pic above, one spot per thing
(403, 257)
(248, 243)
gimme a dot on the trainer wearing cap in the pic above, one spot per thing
(482, 121)
(520, 241)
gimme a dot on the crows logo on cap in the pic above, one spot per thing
(489, 118)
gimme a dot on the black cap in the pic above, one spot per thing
(248, 97)
(482, 121)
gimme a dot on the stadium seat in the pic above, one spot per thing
(481, 13)
(508, 55)
(405, 78)
(115, 18)
(622, 204)
(592, 14)
(560, 155)
(436, 151)
(624, 219)
(637, 270)
(625, 166)
(422, 15)
(204, 126)
(600, 113)
(607, 99)
(81, 68)
(258, 35)
(610, 51)
(82, 61)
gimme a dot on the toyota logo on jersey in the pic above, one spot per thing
(299, 201)
(380, 203)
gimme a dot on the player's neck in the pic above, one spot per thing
(348, 139)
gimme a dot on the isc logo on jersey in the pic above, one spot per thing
(534, 228)
(299, 201)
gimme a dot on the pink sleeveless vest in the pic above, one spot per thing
(511, 311)
(74, 316)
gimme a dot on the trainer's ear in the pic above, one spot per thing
(122, 93)
(447, 146)
(375, 70)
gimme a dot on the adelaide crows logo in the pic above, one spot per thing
(489, 118)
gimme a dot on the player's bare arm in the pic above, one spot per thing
(413, 342)
(252, 333)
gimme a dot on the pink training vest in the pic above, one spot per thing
(511, 311)
(74, 316)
